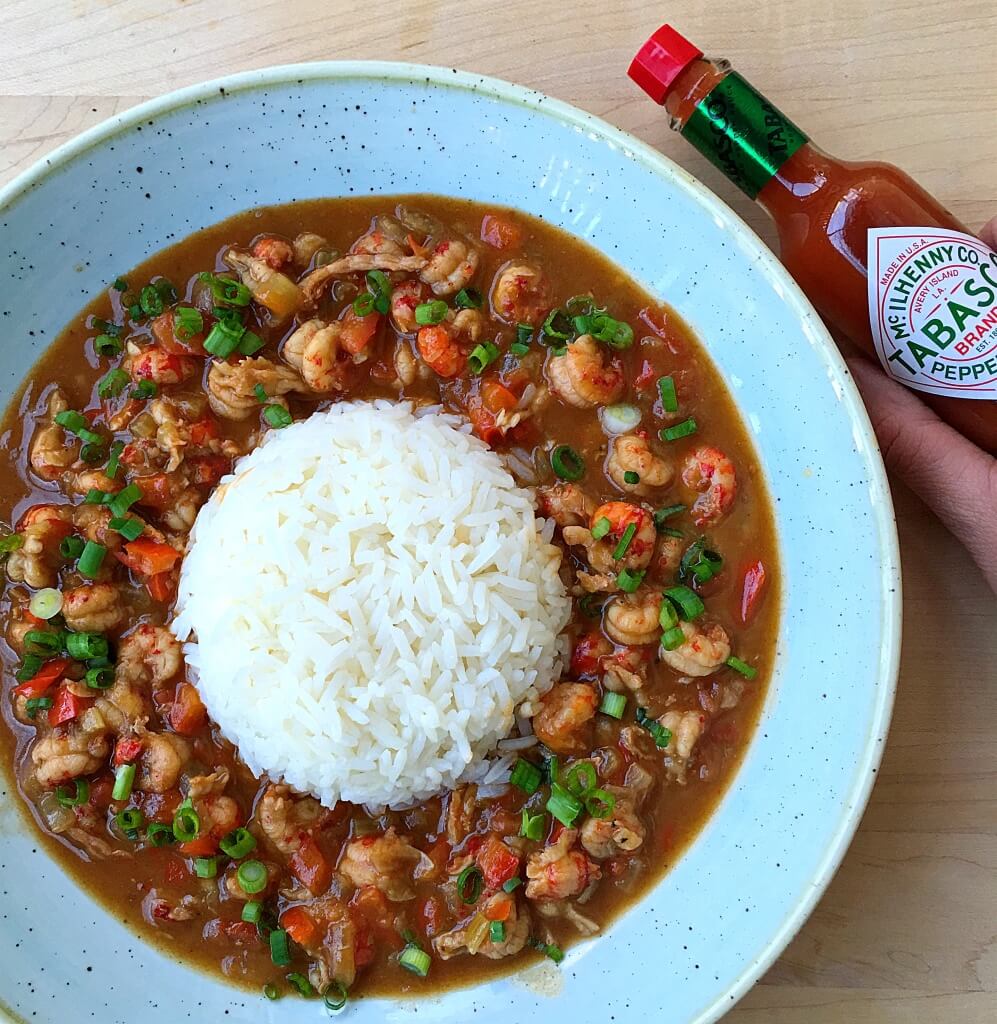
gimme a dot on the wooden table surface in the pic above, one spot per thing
(908, 929)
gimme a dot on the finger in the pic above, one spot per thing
(989, 233)
(954, 477)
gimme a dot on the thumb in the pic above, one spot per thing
(954, 477)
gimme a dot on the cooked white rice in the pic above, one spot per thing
(367, 600)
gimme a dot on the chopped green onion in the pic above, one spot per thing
(206, 867)
(380, 287)
(120, 284)
(613, 704)
(124, 779)
(628, 535)
(669, 397)
(252, 911)
(335, 997)
(614, 333)
(12, 542)
(187, 823)
(563, 804)
(482, 355)
(432, 312)
(298, 982)
(630, 579)
(234, 318)
(270, 991)
(150, 300)
(746, 670)
(30, 665)
(552, 951)
(468, 298)
(113, 383)
(159, 834)
(46, 602)
(79, 794)
(124, 500)
(114, 462)
(590, 605)
(517, 348)
(92, 454)
(601, 527)
(496, 931)
(187, 322)
(662, 514)
(106, 327)
(683, 429)
(699, 563)
(225, 289)
(91, 559)
(668, 617)
(130, 529)
(557, 325)
(619, 418)
(526, 776)
(143, 390)
(250, 343)
(551, 768)
(662, 736)
(252, 877)
(524, 334)
(277, 416)
(41, 642)
(90, 437)
(582, 305)
(83, 646)
(166, 291)
(100, 677)
(238, 843)
(469, 884)
(95, 497)
(531, 825)
(280, 954)
(363, 304)
(580, 779)
(599, 803)
(105, 345)
(36, 704)
(223, 338)
(415, 960)
(71, 420)
(130, 821)
(630, 477)
(512, 885)
(672, 638)
(567, 463)
(689, 604)
(71, 547)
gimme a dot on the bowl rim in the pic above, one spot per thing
(662, 166)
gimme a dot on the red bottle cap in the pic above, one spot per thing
(661, 60)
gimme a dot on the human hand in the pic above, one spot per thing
(957, 480)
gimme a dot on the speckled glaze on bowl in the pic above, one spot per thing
(146, 178)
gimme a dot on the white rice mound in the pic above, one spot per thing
(367, 600)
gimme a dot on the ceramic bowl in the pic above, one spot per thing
(693, 945)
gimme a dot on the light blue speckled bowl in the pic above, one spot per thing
(696, 943)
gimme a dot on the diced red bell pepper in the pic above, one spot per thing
(363, 946)
(188, 714)
(496, 397)
(127, 750)
(588, 652)
(752, 588)
(161, 586)
(148, 557)
(497, 862)
(50, 673)
(311, 867)
(66, 706)
(208, 469)
(300, 925)
(356, 332)
(164, 331)
(204, 431)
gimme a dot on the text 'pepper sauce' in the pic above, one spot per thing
(881, 259)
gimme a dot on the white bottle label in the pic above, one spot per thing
(933, 310)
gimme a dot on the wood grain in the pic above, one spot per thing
(908, 929)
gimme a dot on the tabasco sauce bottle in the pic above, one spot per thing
(882, 261)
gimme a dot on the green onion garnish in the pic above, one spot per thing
(159, 834)
(261, 394)
(277, 416)
(599, 803)
(187, 823)
(512, 885)
(689, 604)
(628, 535)
(250, 343)
(468, 298)
(252, 911)
(415, 960)
(662, 736)
(563, 804)
(482, 355)
(120, 284)
(41, 642)
(71, 420)
(114, 461)
(672, 638)
(613, 704)
(746, 670)
(165, 289)
(380, 287)
(91, 559)
(124, 779)
(669, 397)
(432, 312)
(517, 348)
(524, 334)
(71, 547)
(251, 876)
(496, 931)
(45, 603)
(553, 952)
(557, 325)
(225, 289)
(580, 779)
(100, 677)
(335, 996)
(567, 463)
(12, 542)
(526, 776)
(630, 477)
(683, 429)
(662, 514)
(363, 304)
(150, 300)
(113, 383)
(630, 579)
(84, 646)
(130, 821)
(30, 665)
(469, 884)
(144, 390)
(106, 327)
(301, 985)
(604, 328)
(105, 345)
(124, 499)
(206, 867)
(531, 825)
(92, 454)
(668, 617)
(130, 529)
(280, 953)
(223, 338)
(600, 528)
(36, 704)
(270, 991)
(187, 322)
(73, 797)
(238, 843)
